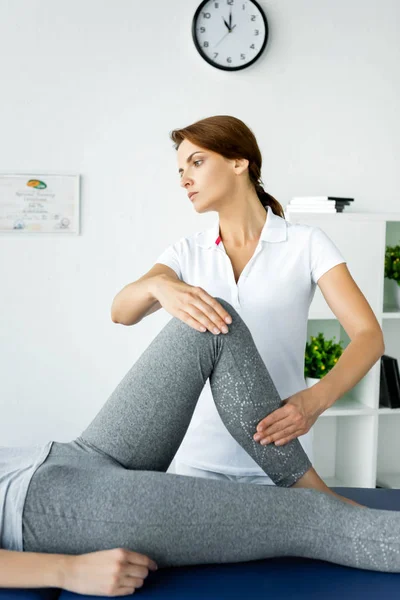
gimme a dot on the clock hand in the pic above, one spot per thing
(226, 23)
(227, 33)
(230, 19)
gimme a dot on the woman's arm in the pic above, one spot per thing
(30, 569)
(136, 300)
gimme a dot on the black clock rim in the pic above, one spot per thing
(217, 66)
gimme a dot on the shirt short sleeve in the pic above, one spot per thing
(170, 257)
(324, 254)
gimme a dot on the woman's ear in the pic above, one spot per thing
(241, 164)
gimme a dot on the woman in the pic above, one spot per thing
(268, 270)
(92, 515)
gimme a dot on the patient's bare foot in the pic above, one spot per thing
(346, 499)
(312, 480)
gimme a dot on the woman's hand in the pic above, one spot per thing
(191, 304)
(286, 423)
(116, 572)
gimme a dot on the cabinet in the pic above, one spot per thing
(356, 443)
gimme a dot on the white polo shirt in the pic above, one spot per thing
(272, 296)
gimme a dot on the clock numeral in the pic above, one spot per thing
(206, 44)
(243, 56)
(230, 2)
(252, 46)
(202, 29)
(229, 59)
(206, 15)
(215, 54)
(216, 4)
(253, 17)
(256, 32)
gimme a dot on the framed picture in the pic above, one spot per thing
(39, 203)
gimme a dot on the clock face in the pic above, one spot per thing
(230, 34)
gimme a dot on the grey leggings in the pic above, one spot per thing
(109, 487)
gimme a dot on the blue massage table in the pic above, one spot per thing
(281, 577)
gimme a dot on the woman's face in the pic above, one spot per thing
(209, 174)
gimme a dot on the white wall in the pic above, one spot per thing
(94, 87)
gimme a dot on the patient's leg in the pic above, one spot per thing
(143, 422)
(80, 501)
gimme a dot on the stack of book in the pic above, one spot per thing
(389, 391)
(317, 204)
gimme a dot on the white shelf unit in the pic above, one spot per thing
(356, 443)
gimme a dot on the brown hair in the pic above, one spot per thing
(231, 138)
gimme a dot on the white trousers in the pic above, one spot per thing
(181, 468)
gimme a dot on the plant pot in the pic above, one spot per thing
(396, 292)
(310, 381)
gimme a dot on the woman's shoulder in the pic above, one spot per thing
(300, 232)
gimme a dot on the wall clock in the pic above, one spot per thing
(230, 34)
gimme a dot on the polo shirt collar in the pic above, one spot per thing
(274, 230)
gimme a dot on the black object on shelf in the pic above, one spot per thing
(340, 203)
(389, 390)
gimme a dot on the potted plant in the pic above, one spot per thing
(392, 269)
(320, 357)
